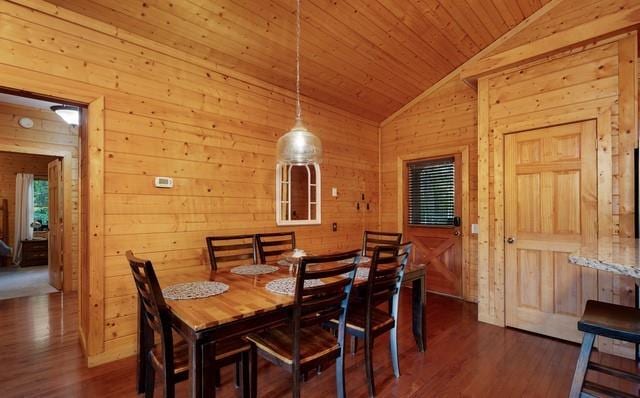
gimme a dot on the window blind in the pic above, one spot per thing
(431, 192)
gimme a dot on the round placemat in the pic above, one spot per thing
(361, 260)
(193, 290)
(254, 269)
(287, 285)
(284, 263)
(362, 273)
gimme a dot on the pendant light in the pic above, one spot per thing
(299, 146)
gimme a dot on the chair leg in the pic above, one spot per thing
(238, 375)
(246, 384)
(253, 361)
(353, 344)
(368, 364)
(149, 380)
(341, 390)
(393, 345)
(295, 388)
(218, 377)
(582, 365)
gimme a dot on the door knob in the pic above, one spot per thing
(510, 240)
(456, 233)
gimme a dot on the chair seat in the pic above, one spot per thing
(356, 316)
(315, 344)
(611, 320)
(224, 350)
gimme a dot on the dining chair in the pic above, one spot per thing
(364, 319)
(614, 321)
(273, 245)
(303, 344)
(170, 357)
(371, 239)
(231, 250)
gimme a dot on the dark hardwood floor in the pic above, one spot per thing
(40, 356)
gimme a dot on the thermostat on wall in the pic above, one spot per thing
(164, 182)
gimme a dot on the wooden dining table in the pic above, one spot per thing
(245, 308)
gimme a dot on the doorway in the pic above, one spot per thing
(432, 219)
(551, 209)
(39, 152)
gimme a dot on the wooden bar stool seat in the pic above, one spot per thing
(607, 320)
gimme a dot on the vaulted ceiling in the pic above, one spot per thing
(369, 57)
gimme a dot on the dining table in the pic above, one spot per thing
(246, 307)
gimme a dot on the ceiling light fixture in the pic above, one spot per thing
(68, 113)
(299, 146)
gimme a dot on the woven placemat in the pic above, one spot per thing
(287, 285)
(284, 263)
(193, 290)
(361, 260)
(254, 269)
(362, 273)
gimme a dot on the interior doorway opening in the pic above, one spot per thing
(39, 194)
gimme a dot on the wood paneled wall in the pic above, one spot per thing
(214, 134)
(10, 165)
(49, 135)
(443, 121)
(594, 82)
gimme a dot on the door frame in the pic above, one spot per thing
(435, 152)
(602, 117)
(90, 274)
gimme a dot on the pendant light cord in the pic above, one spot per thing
(298, 107)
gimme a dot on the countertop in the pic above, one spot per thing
(620, 256)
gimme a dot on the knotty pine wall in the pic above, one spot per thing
(10, 165)
(444, 119)
(50, 134)
(214, 133)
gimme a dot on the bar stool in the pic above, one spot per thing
(607, 320)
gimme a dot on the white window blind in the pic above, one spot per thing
(432, 192)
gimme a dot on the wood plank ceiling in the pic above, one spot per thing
(369, 57)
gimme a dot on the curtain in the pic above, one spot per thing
(24, 213)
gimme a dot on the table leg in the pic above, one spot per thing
(196, 368)
(419, 321)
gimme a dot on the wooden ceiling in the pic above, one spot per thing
(369, 57)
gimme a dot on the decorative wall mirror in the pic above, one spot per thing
(298, 194)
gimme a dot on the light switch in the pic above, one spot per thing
(475, 229)
(334, 192)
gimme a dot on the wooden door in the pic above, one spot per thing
(550, 198)
(56, 224)
(438, 246)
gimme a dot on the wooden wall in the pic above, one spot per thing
(49, 135)
(10, 165)
(442, 121)
(214, 133)
(594, 82)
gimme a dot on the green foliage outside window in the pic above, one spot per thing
(41, 201)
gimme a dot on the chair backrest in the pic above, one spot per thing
(372, 239)
(153, 311)
(273, 245)
(315, 305)
(385, 277)
(231, 250)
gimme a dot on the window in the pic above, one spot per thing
(41, 201)
(432, 192)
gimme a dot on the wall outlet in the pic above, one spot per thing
(334, 192)
(475, 229)
(334, 227)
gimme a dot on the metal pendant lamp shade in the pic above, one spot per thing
(299, 146)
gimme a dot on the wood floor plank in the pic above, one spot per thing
(41, 357)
